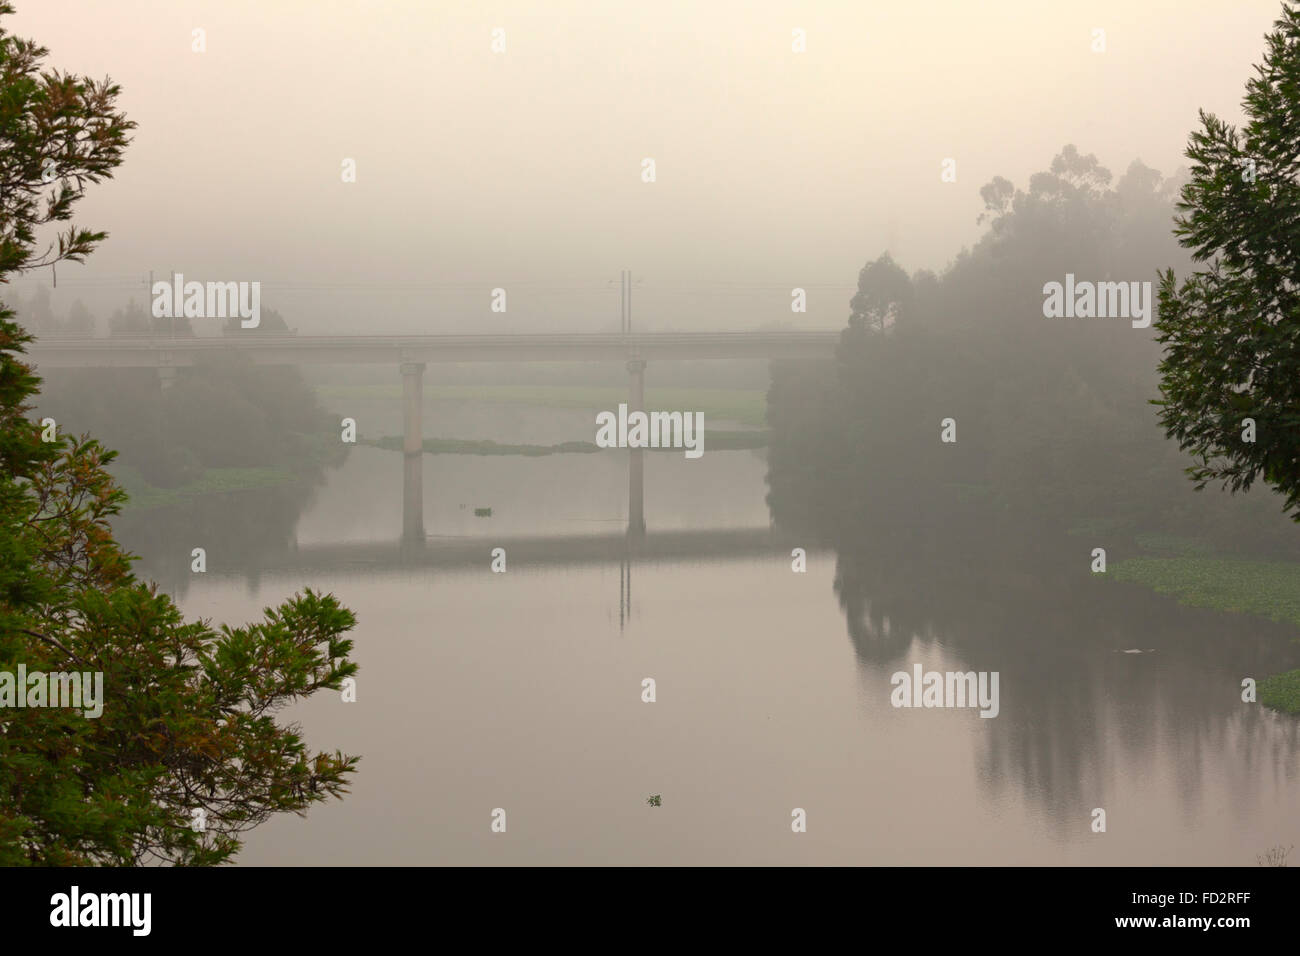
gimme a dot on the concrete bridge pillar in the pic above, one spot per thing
(636, 456)
(413, 449)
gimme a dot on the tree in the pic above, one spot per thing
(187, 753)
(883, 296)
(130, 319)
(38, 314)
(1231, 331)
(1056, 430)
(79, 321)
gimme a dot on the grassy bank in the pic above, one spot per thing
(144, 496)
(745, 406)
(1269, 589)
(1281, 692)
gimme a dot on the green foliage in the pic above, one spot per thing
(223, 413)
(1232, 329)
(143, 496)
(1269, 589)
(68, 120)
(188, 722)
(1281, 692)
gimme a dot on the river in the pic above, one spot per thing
(523, 690)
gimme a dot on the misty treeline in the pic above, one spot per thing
(40, 317)
(1056, 437)
(225, 412)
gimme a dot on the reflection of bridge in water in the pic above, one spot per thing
(532, 551)
(540, 551)
(412, 353)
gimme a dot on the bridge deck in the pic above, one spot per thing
(272, 349)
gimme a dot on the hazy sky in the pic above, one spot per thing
(522, 169)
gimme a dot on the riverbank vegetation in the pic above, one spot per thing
(1057, 448)
(222, 425)
(1281, 692)
(142, 496)
(1268, 589)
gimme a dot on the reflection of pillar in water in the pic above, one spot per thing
(624, 589)
(636, 456)
(413, 452)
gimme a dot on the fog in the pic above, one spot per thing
(522, 169)
(949, 462)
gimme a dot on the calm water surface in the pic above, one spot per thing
(523, 690)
